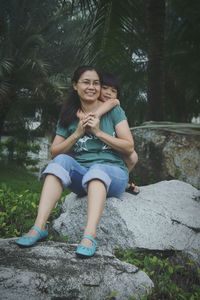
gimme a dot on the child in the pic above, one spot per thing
(109, 93)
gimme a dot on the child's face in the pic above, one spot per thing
(107, 92)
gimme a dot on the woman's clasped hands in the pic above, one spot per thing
(88, 123)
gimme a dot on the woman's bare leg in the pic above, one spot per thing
(51, 192)
(96, 202)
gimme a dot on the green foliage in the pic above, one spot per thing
(175, 276)
(18, 211)
(117, 37)
(112, 296)
(19, 198)
(39, 53)
(37, 41)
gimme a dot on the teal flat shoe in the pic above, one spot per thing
(29, 240)
(83, 251)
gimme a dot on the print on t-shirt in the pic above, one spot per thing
(85, 143)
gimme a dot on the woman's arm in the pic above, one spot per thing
(62, 145)
(124, 140)
(122, 143)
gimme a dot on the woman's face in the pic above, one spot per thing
(88, 86)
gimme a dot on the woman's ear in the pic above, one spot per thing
(74, 86)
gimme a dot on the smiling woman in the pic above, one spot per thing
(86, 159)
(88, 88)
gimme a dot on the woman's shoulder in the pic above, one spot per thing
(117, 114)
(117, 110)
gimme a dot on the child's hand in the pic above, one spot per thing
(97, 114)
(115, 101)
(80, 114)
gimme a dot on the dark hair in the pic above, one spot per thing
(110, 80)
(72, 104)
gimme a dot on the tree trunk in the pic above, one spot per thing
(156, 74)
(3, 113)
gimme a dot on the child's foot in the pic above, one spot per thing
(132, 189)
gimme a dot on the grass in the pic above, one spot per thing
(18, 178)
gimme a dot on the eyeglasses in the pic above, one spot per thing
(87, 83)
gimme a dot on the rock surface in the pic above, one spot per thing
(163, 216)
(52, 271)
(167, 151)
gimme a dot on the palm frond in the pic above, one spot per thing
(5, 87)
(112, 25)
(58, 84)
(36, 65)
(53, 85)
(86, 6)
(33, 41)
(6, 66)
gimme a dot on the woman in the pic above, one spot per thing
(87, 159)
(109, 95)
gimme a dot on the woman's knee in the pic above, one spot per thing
(96, 173)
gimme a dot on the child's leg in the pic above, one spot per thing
(131, 161)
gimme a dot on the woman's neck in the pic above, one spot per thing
(89, 107)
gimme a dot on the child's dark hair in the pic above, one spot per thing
(72, 103)
(110, 80)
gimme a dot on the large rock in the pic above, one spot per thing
(165, 215)
(167, 151)
(51, 271)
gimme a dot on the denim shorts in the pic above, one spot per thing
(76, 177)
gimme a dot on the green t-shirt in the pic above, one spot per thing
(89, 149)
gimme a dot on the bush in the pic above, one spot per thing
(175, 276)
(18, 211)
